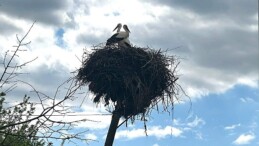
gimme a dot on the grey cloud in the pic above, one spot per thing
(200, 6)
(46, 11)
(238, 10)
(229, 50)
(7, 28)
(92, 39)
(87, 39)
(46, 79)
(71, 24)
(78, 6)
(224, 51)
(159, 36)
(225, 48)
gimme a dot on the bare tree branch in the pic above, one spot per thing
(21, 118)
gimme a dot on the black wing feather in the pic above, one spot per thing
(113, 39)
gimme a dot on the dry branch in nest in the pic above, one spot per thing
(132, 79)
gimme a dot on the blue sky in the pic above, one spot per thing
(230, 118)
(217, 42)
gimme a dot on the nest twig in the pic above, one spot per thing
(133, 78)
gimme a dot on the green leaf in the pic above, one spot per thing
(2, 94)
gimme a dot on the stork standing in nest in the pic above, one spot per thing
(121, 37)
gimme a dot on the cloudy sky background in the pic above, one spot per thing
(217, 41)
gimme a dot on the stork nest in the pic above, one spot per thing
(132, 79)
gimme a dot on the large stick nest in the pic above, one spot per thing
(132, 79)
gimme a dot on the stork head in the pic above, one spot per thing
(125, 27)
(118, 27)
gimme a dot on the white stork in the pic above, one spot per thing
(124, 43)
(121, 37)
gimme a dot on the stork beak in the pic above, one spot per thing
(126, 27)
(118, 25)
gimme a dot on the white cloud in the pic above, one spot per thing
(177, 122)
(232, 127)
(95, 122)
(190, 124)
(156, 131)
(248, 81)
(196, 122)
(247, 100)
(199, 135)
(254, 125)
(94, 118)
(97, 117)
(87, 23)
(244, 139)
(155, 144)
(91, 136)
(207, 68)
